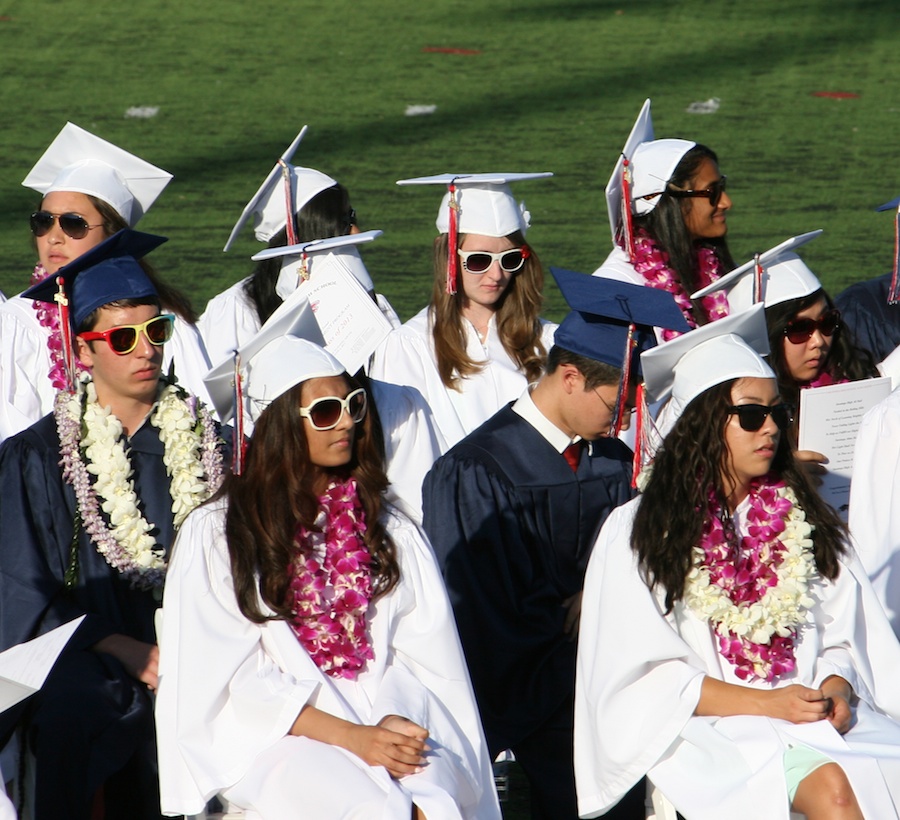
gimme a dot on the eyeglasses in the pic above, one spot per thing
(801, 330)
(479, 261)
(753, 416)
(124, 338)
(326, 413)
(713, 193)
(72, 225)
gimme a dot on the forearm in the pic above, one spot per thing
(721, 699)
(318, 725)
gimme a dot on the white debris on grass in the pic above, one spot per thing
(142, 112)
(709, 106)
(420, 110)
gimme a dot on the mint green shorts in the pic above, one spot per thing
(799, 762)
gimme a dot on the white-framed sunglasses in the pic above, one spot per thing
(326, 413)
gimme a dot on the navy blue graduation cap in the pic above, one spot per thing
(106, 273)
(894, 291)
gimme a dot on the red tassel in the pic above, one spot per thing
(758, 295)
(239, 445)
(894, 292)
(622, 395)
(65, 332)
(640, 448)
(452, 239)
(627, 220)
(288, 203)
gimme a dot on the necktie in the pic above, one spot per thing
(572, 454)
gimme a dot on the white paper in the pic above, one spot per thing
(348, 318)
(24, 668)
(829, 420)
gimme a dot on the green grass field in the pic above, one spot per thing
(531, 85)
(519, 86)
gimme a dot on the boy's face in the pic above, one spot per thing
(132, 376)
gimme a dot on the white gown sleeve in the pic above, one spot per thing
(228, 322)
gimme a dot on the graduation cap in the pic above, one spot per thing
(284, 192)
(730, 348)
(476, 203)
(81, 162)
(775, 276)
(640, 176)
(287, 350)
(894, 291)
(611, 321)
(300, 260)
(106, 273)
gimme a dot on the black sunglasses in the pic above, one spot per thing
(713, 193)
(72, 225)
(753, 416)
(801, 330)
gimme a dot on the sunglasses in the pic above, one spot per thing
(73, 225)
(124, 338)
(326, 413)
(801, 330)
(479, 261)
(713, 193)
(753, 416)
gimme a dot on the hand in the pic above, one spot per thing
(812, 463)
(141, 660)
(798, 704)
(839, 692)
(573, 615)
(396, 743)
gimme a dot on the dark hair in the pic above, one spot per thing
(93, 317)
(846, 360)
(596, 374)
(517, 317)
(170, 298)
(669, 522)
(665, 225)
(327, 214)
(274, 495)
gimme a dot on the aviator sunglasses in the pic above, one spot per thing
(753, 416)
(479, 261)
(801, 330)
(73, 225)
(713, 193)
(326, 413)
(124, 338)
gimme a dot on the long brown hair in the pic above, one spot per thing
(668, 523)
(517, 317)
(274, 495)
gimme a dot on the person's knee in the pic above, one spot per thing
(826, 787)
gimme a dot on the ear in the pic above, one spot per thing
(83, 352)
(572, 379)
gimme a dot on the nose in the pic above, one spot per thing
(724, 201)
(145, 348)
(817, 340)
(345, 422)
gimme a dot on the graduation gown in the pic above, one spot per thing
(639, 679)
(26, 393)
(513, 527)
(231, 689)
(407, 356)
(90, 691)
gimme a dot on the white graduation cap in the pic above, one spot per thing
(299, 261)
(730, 348)
(778, 276)
(81, 162)
(268, 206)
(650, 165)
(479, 204)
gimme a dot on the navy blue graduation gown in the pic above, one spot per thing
(91, 717)
(873, 323)
(513, 528)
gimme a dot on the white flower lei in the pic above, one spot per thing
(191, 457)
(781, 608)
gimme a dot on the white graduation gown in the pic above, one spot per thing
(875, 502)
(230, 691)
(26, 393)
(638, 682)
(407, 357)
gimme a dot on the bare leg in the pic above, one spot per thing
(826, 794)
(417, 813)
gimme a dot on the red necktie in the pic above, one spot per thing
(572, 454)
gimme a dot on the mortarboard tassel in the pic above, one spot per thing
(288, 204)
(757, 280)
(622, 395)
(65, 332)
(303, 271)
(627, 224)
(239, 444)
(640, 450)
(894, 292)
(452, 239)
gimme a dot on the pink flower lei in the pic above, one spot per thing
(749, 571)
(48, 317)
(651, 262)
(331, 584)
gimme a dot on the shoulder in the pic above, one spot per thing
(618, 266)
(492, 446)
(41, 439)
(20, 312)
(229, 299)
